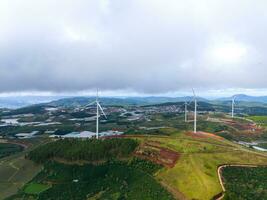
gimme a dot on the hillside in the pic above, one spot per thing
(189, 168)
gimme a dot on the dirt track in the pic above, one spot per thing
(20, 143)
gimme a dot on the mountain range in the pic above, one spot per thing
(67, 101)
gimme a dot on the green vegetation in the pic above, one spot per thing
(262, 145)
(262, 121)
(195, 174)
(111, 180)
(86, 150)
(8, 149)
(259, 119)
(144, 165)
(35, 188)
(245, 183)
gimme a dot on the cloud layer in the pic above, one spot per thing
(147, 46)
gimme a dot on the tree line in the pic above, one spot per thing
(87, 150)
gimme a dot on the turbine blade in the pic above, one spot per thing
(102, 110)
(92, 103)
(96, 94)
(194, 92)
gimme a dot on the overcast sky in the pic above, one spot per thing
(133, 46)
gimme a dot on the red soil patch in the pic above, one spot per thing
(152, 150)
(125, 136)
(160, 155)
(247, 127)
(201, 134)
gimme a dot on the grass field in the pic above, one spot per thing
(261, 120)
(35, 188)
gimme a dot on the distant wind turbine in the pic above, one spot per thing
(195, 114)
(98, 106)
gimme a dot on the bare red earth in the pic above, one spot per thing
(160, 155)
(201, 134)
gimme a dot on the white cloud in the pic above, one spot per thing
(145, 46)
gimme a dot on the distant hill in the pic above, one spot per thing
(22, 101)
(63, 101)
(201, 105)
(247, 98)
(119, 101)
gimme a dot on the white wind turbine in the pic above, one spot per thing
(195, 114)
(98, 106)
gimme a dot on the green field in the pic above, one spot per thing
(245, 183)
(35, 188)
(262, 145)
(259, 119)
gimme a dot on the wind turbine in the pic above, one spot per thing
(195, 114)
(233, 106)
(98, 106)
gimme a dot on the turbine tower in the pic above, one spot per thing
(195, 114)
(185, 111)
(98, 106)
(233, 106)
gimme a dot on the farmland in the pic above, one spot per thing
(16, 171)
(7, 149)
(115, 180)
